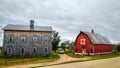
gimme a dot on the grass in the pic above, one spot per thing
(104, 56)
(97, 56)
(94, 57)
(18, 60)
(73, 55)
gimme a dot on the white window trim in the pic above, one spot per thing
(46, 48)
(46, 39)
(21, 50)
(23, 37)
(9, 52)
(34, 39)
(11, 39)
(35, 49)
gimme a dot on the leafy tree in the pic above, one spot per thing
(71, 47)
(114, 46)
(63, 45)
(56, 40)
(118, 48)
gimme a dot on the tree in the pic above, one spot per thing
(63, 45)
(71, 47)
(118, 48)
(114, 46)
(56, 40)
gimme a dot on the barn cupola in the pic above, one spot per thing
(31, 24)
(92, 31)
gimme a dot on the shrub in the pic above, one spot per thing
(114, 51)
(118, 48)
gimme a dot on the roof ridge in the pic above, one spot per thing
(27, 27)
(97, 38)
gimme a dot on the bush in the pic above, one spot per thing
(118, 48)
(114, 51)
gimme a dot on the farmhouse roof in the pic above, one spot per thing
(97, 38)
(27, 28)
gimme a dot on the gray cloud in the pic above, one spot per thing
(68, 17)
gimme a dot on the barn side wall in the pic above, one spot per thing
(102, 48)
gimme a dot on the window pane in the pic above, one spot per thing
(34, 49)
(22, 50)
(10, 38)
(45, 49)
(34, 39)
(23, 38)
(9, 50)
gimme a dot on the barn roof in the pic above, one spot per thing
(27, 28)
(97, 38)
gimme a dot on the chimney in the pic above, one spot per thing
(92, 31)
(31, 24)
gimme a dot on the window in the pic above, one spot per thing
(46, 39)
(9, 51)
(23, 39)
(10, 39)
(34, 49)
(46, 49)
(22, 50)
(34, 39)
(82, 41)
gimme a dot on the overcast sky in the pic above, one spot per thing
(68, 17)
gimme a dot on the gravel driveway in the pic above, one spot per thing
(63, 58)
(102, 63)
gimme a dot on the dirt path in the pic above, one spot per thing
(63, 58)
(102, 63)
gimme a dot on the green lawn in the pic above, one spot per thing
(95, 57)
(104, 56)
(73, 55)
(18, 60)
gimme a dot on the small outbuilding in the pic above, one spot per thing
(92, 43)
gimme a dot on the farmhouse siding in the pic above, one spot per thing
(44, 39)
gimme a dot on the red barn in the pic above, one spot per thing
(92, 43)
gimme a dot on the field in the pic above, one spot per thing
(95, 57)
(19, 60)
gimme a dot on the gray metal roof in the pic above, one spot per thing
(27, 28)
(97, 38)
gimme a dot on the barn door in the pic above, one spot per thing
(83, 44)
(83, 51)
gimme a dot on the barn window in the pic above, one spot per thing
(34, 39)
(46, 49)
(11, 39)
(23, 39)
(82, 41)
(9, 51)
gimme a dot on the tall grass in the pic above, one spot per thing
(18, 60)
